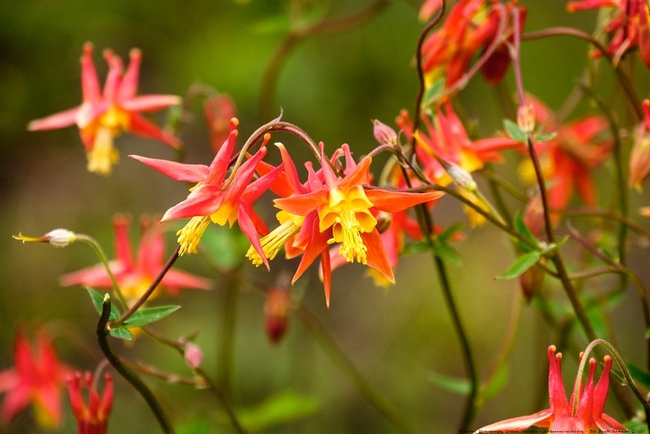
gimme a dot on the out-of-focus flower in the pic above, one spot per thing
(568, 159)
(36, 378)
(443, 137)
(102, 116)
(217, 197)
(469, 29)
(338, 208)
(628, 26)
(193, 355)
(92, 417)
(587, 418)
(219, 110)
(640, 157)
(135, 275)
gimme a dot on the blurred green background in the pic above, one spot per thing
(331, 86)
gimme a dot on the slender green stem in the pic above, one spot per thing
(104, 260)
(116, 363)
(376, 399)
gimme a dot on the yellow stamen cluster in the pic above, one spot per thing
(102, 156)
(348, 214)
(290, 225)
(190, 236)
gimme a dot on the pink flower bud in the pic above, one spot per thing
(193, 355)
(384, 134)
(276, 309)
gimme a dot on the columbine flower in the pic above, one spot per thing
(628, 26)
(216, 197)
(562, 417)
(92, 418)
(568, 159)
(37, 377)
(103, 116)
(443, 137)
(338, 209)
(135, 275)
(470, 28)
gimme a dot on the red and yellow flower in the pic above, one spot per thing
(217, 197)
(336, 207)
(588, 417)
(92, 417)
(135, 275)
(102, 116)
(36, 378)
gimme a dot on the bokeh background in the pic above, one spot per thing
(331, 86)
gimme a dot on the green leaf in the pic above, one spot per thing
(459, 386)
(98, 301)
(521, 264)
(546, 137)
(278, 409)
(446, 235)
(514, 132)
(448, 254)
(418, 247)
(497, 383)
(521, 228)
(149, 314)
(121, 332)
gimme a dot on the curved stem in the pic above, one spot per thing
(104, 260)
(116, 363)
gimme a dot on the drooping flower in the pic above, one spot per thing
(468, 30)
(569, 158)
(219, 110)
(443, 137)
(102, 116)
(338, 209)
(135, 275)
(562, 417)
(628, 26)
(92, 417)
(36, 378)
(217, 197)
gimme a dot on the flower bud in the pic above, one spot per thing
(193, 355)
(384, 134)
(460, 176)
(640, 158)
(56, 237)
(526, 118)
(219, 110)
(276, 310)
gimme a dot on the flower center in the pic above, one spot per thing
(190, 236)
(348, 215)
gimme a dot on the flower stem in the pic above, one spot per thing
(116, 363)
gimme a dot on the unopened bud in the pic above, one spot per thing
(460, 176)
(384, 134)
(193, 355)
(526, 118)
(276, 309)
(640, 158)
(56, 237)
